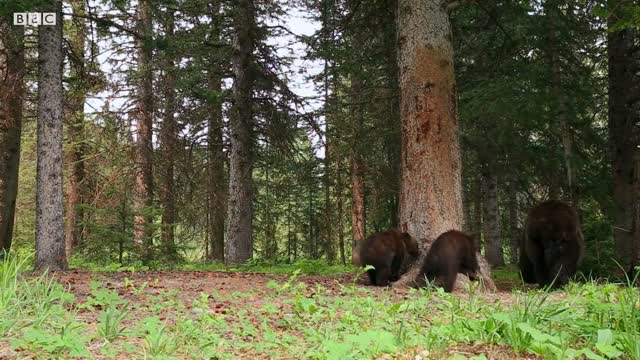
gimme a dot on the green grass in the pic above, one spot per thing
(37, 316)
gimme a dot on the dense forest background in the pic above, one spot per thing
(548, 103)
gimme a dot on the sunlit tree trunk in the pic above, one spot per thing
(11, 93)
(239, 233)
(143, 195)
(50, 249)
(430, 187)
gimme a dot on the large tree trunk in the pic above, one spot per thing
(168, 141)
(430, 186)
(75, 130)
(11, 92)
(624, 117)
(50, 250)
(239, 236)
(143, 196)
(493, 250)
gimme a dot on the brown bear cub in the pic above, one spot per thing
(553, 244)
(387, 252)
(452, 252)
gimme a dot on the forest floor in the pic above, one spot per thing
(234, 291)
(218, 314)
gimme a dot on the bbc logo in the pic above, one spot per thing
(34, 19)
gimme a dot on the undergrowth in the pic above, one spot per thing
(295, 320)
(306, 267)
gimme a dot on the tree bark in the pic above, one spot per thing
(216, 186)
(143, 195)
(514, 230)
(431, 193)
(11, 93)
(493, 250)
(50, 248)
(624, 117)
(430, 186)
(75, 129)
(357, 176)
(168, 142)
(477, 210)
(239, 234)
(635, 244)
(340, 209)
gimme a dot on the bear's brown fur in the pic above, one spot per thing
(452, 252)
(553, 245)
(387, 252)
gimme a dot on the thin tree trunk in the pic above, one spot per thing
(430, 187)
(493, 250)
(216, 186)
(143, 196)
(477, 210)
(50, 249)
(288, 224)
(393, 146)
(514, 230)
(559, 106)
(239, 236)
(168, 141)
(327, 24)
(467, 207)
(75, 130)
(624, 117)
(11, 93)
(357, 176)
(311, 240)
(340, 210)
(635, 242)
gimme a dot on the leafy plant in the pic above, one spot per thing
(110, 322)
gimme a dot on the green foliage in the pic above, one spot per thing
(591, 320)
(110, 322)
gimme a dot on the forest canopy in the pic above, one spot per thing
(274, 130)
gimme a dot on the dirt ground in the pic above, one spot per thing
(190, 284)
